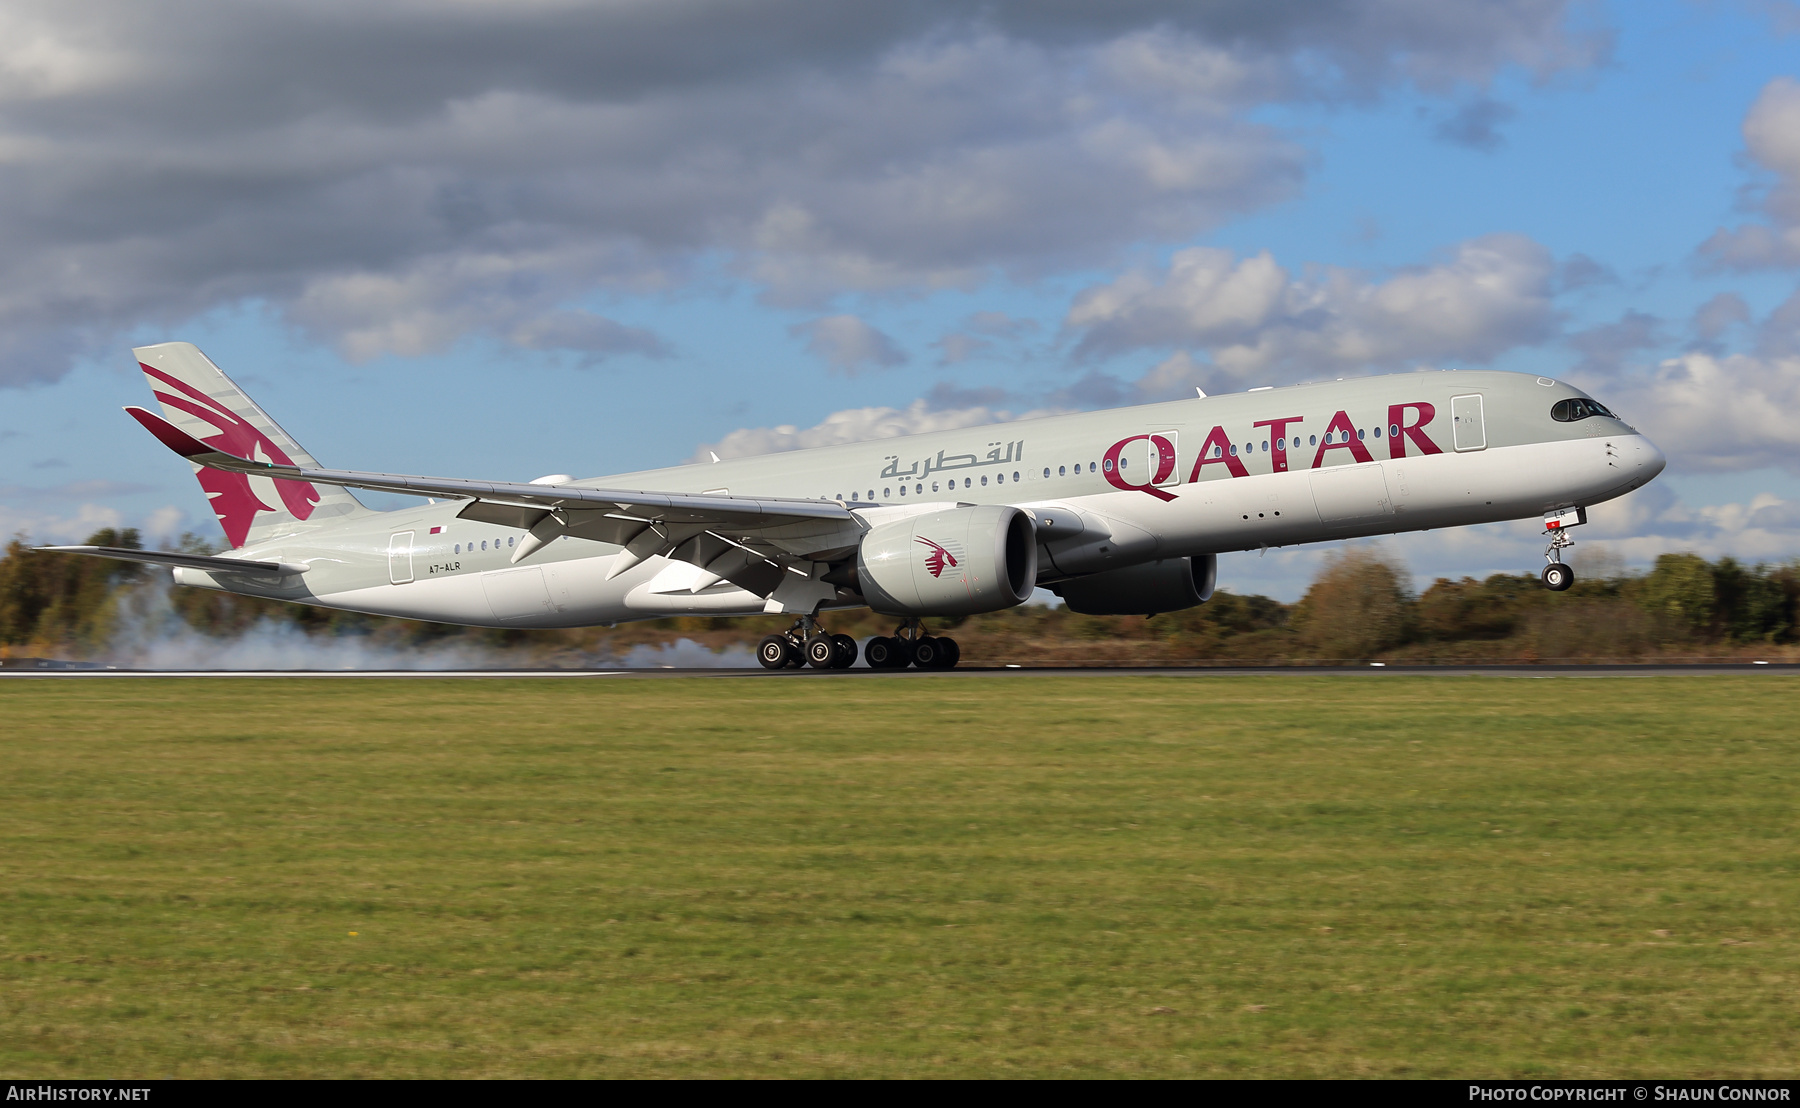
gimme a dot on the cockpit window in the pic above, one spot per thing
(1568, 411)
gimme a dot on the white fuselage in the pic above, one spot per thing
(1126, 486)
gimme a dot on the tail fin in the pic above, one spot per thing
(198, 398)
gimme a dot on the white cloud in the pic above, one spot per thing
(1253, 318)
(1718, 412)
(1476, 125)
(978, 335)
(43, 58)
(594, 336)
(1176, 377)
(72, 511)
(854, 425)
(437, 300)
(1772, 137)
(849, 345)
(392, 177)
(958, 347)
(58, 525)
(1718, 314)
(1606, 348)
(163, 524)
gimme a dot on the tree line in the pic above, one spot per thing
(1359, 607)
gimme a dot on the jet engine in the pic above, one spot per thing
(1167, 585)
(953, 562)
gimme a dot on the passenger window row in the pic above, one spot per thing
(459, 546)
(1093, 467)
(967, 483)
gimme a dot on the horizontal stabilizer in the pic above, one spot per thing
(191, 561)
(174, 437)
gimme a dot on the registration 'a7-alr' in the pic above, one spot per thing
(1118, 512)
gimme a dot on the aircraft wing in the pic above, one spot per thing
(170, 558)
(738, 538)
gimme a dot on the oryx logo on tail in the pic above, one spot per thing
(233, 500)
(938, 558)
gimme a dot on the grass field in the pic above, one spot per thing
(1244, 876)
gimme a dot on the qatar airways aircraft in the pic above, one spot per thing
(1119, 512)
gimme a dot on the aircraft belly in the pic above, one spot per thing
(1515, 482)
(520, 596)
(1235, 513)
(570, 593)
(456, 599)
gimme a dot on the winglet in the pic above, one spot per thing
(170, 435)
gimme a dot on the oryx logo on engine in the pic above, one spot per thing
(938, 558)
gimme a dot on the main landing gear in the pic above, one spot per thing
(1557, 576)
(910, 645)
(806, 643)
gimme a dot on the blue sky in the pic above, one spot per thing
(529, 269)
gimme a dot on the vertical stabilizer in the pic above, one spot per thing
(198, 398)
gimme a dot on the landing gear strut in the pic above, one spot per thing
(910, 645)
(1557, 576)
(806, 643)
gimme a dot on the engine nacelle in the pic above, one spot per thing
(1146, 589)
(953, 562)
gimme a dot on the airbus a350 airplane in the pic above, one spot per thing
(1119, 512)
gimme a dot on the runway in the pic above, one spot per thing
(1369, 670)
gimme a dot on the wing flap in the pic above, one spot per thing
(503, 515)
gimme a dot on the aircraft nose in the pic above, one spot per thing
(1650, 460)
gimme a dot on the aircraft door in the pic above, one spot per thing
(400, 557)
(1470, 428)
(1163, 463)
(1164, 467)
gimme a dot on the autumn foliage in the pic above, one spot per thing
(1359, 608)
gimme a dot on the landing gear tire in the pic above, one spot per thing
(885, 653)
(822, 651)
(775, 652)
(1558, 576)
(846, 652)
(949, 653)
(927, 654)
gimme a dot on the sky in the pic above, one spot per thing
(503, 240)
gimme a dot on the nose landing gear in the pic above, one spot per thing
(1557, 576)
